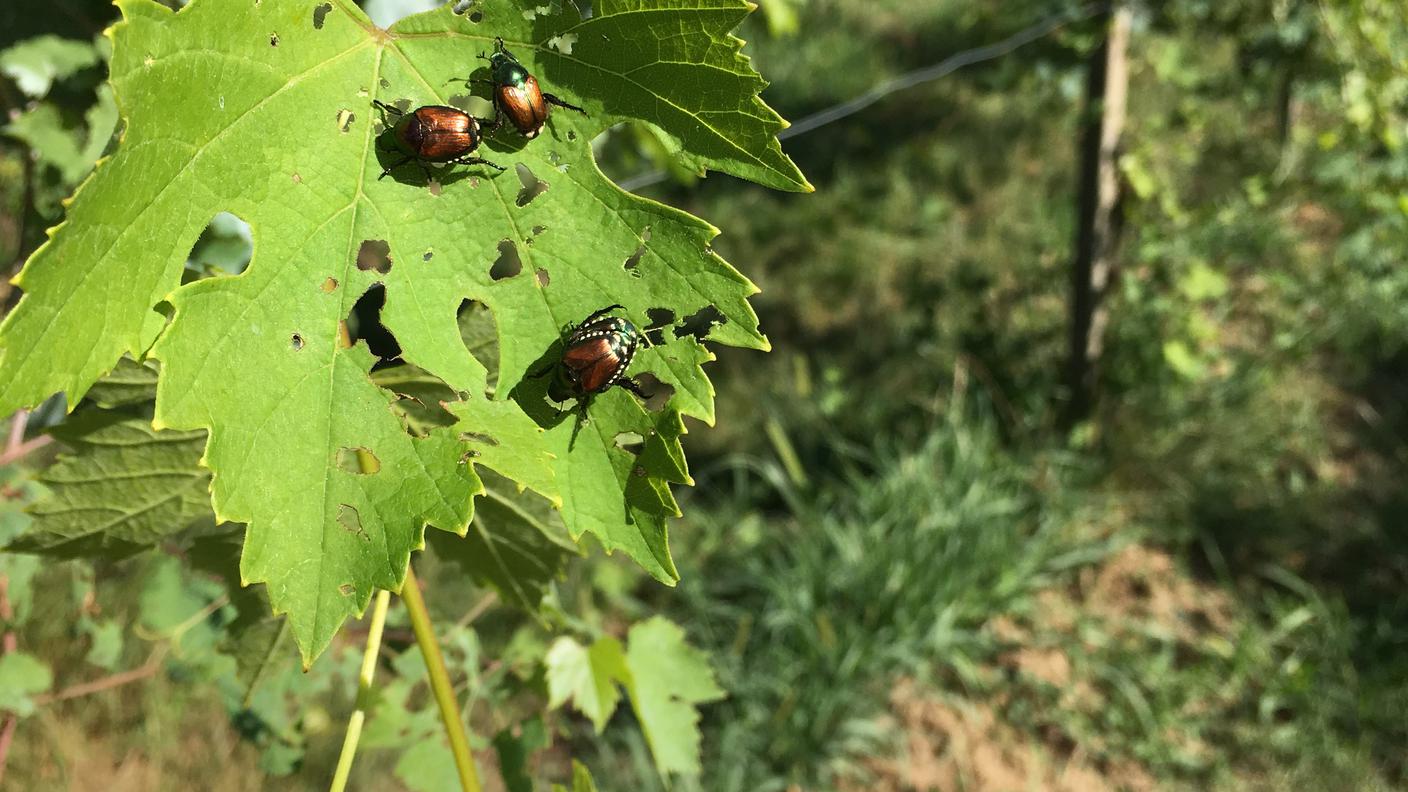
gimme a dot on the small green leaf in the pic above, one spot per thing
(665, 677)
(668, 678)
(21, 677)
(1181, 358)
(586, 676)
(34, 64)
(53, 140)
(169, 602)
(102, 123)
(106, 649)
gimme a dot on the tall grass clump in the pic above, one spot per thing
(889, 566)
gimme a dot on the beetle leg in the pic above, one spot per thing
(630, 385)
(386, 108)
(550, 99)
(393, 167)
(479, 161)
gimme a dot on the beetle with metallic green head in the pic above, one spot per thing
(595, 356)
(517, 95)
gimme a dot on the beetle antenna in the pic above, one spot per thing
(604, 311)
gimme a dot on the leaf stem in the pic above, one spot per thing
(364, 692)
(440, 683)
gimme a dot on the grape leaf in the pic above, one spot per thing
(586, 676)
(124, 488)
(34, 64)
(664, 676)
(129, 383)
(106, 648)
(668, 678)
(264, 110)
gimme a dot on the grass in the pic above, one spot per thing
(965, 614)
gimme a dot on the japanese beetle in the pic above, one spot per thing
(434, 133)
(595, 356)
(517, 95)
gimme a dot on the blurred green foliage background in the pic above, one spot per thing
(905, 573)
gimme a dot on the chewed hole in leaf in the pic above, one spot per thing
(224, 247)
(374, 254)
(320, 15)
(476, 16)
(429, 254)
(364, 324)
(630, 442)
(543, 278)
(478, 438)
(461, 6)
(296, 342)
(347, 589)
(508, 263)
(539, 229)
(345, 118)
(659, 319)
(700, 323)
(350, 520)
(480, 334)
(273, 39)
(657, 393)
(563, 43)
(633, 260)
(532, 185)
(474, 105)
(330, 285)
(360, 461)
